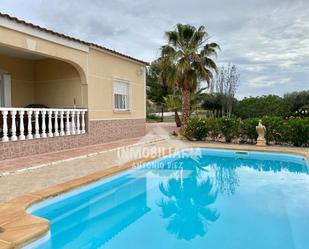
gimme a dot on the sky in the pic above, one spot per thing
(268, 40)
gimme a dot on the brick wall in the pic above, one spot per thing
(100, 131)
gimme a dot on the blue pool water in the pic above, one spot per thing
(199, 199)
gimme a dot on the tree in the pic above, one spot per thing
(187, 60)
(268, 105)
(212, 102)
(173, 103)
(226, 82)
(156, 85)
(297, 100)
(196, 100)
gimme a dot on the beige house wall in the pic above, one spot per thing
(22, 79)
(57, 84)
(76, 71)
(103, 68)
(50, 82)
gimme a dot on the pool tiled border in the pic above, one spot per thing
(17, 227)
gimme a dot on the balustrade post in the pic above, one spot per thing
(73, 131)
(37, 125)
(83, 122)
(68, 128)
(56, 134)
(50, 125)
(21, 125)
(13, 115)
(29, 136)
(5, 137)
(43, 112)
(78, 122)
(61, 124)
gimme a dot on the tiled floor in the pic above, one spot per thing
(12, 165)
(155, 131)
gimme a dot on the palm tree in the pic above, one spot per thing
(173, 103)
(187, 60)
(196, 100)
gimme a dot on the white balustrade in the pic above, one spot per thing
(73, 122)
(29, 135)
(27, 123)
(68, 128)
(56, 134)
(50, 126)
(21, 125)
(13, 115)
(83, 122)
(43, 115)
(62, 133)
(77, 123)
(37, 125)
(5, 137)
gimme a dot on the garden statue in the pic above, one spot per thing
(261, 130)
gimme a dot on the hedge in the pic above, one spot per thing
(294, 131)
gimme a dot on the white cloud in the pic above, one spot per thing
(266, 81)
(267, 39)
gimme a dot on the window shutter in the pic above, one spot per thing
(121, 88)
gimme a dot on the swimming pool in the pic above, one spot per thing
(195, 198)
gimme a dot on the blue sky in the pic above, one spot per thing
(268, 40)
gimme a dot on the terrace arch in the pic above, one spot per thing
(39, 79)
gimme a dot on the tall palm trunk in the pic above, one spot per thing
(185, 107)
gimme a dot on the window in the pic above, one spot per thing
(121, 95)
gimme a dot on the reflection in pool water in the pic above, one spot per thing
(218, 200)
(186, 205)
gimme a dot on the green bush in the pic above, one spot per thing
(153, 117)
(298, 131)
(213, 127)
(248, 129)
(278, 130)
(197, 128)
(275, 129)
(229, 128)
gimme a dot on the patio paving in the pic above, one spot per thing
(12, 165)
(102, 157)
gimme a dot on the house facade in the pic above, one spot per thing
(58, 92)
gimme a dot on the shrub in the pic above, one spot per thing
(153, 117)
(196, 128)
(274, 129)
(229, 128)
(278, 130)
(248, 129)
(298, 131)
(213, 127)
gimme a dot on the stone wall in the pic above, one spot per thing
(100, 131)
